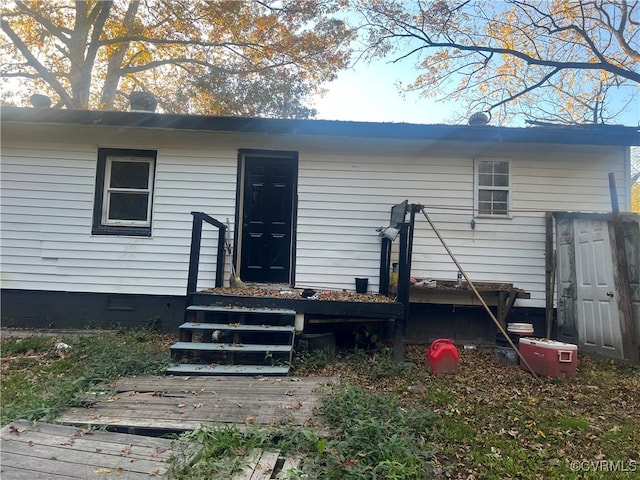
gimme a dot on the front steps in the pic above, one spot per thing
(219, 340)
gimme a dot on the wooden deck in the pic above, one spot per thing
(175, 403)
(59, 452)
(157, 405)
(354, 305)
(263, 465)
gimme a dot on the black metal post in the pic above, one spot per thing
(385, 263)
(403, 291)
(404, 271)
(222, 233)
(412, 222)
(194, 253)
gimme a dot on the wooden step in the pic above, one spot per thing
(245, 310)
(199, 369)
(248, 327)
(230, 347)
(235, 327)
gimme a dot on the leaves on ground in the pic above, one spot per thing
(498, 421)
(489, 420)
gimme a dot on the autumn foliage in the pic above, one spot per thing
(557, 61)
(253, 58)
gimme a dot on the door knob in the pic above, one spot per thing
(610, 294)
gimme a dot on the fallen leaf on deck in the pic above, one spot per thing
(126, 450)
(103, 470)
(182, 405)
(159, 450)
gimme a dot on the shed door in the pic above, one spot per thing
(566, 278)
(269, 188)
(598, 319)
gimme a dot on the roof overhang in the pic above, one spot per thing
(572, 135)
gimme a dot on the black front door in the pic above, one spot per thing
(269, 192)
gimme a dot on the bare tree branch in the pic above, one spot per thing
(49, 77)
(498, 54)
(63, 34)
(97, 51)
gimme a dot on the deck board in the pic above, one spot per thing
(173, 403)
(44, 451)
(261, 466)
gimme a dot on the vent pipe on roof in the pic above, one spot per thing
(479, 119)
(40, 101)
(142, 102)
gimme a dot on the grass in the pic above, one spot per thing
(385, 421)
(43, 375)
(372, 436)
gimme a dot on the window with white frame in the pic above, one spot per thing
(124, 192)
(492, 187)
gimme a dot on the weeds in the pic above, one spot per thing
(377, 437)
(25, 346)
(49, 376)
(312, 360)
(387, 420)
(374, 437)
(220, 452)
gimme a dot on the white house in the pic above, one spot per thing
(96, 206)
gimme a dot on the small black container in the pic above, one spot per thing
(362, 285)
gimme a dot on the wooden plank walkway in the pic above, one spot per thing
(174, 403)
(263, 465)
(44, 451)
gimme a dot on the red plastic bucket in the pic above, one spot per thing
(442, 356)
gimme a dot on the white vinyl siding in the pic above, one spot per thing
(346, 190)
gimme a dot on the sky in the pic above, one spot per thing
(370, 93)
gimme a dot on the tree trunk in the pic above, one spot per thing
(80, 74)
(110, 88)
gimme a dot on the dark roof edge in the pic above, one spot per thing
(587, 135)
